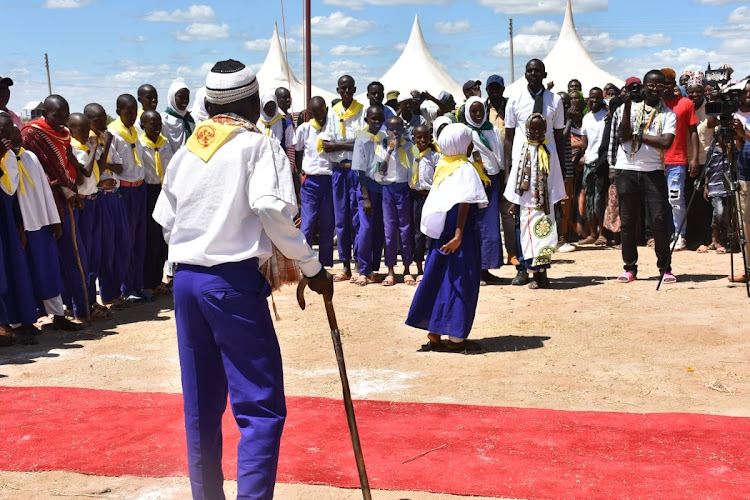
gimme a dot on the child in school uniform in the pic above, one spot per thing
(316, 191)
(88, 152)
(273, 123)
(534, 186)
(370, 237)
(157, 152)
(426, 155)
(445, 302)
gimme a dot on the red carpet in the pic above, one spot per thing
(481, 450)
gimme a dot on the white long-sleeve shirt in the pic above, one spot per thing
(232, 207)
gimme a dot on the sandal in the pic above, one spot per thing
(118, 304)
(419, 279)
(409, 280)
(99, 315)
(704, 249)
(626, 277)
(589, 240)
(342, 276)
(354, 278)
(432, 347)
(389, 281)
(721, 250)
(668, 279)
(464, 347)
(361, 281)
(374, 278)
(601, 241)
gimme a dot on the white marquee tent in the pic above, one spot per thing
(569, 59)
(273, 74)
(416, 68)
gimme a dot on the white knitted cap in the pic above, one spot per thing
(230, 81)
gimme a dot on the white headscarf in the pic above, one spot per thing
(454, 140)
(439, 122)
(265, 100)
(469, 103)
(173, 89)
(199, 105)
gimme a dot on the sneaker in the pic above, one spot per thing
(522, 278)
(566, 248)
(680, 245)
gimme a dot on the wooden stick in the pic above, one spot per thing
(78, 261)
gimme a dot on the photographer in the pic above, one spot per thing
(646, 131)
(741, 125)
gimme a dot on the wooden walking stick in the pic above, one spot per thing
(348, 405)
(78, 261)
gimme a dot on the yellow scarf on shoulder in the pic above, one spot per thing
(403, 158)
(85, 147)
(449, 164)
(353, 110)
(129, 134)
(418, 155)
(22, 172)
(208, 137)
(542, 155)
(317, 126)
(160, 141)
(270, 124)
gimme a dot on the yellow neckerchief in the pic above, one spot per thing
(129, 134)
(542, 155)
(418, 155)
(208, 137)
(449, 164)
(22, 172)
(85, 147)
(160, 141)
(403, 158)
(353, 110)
(317, 126)
(270, 124)
(5, 179)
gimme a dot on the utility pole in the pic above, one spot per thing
(49, 81)
(307, 34)
(512, 64)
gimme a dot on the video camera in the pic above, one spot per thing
(723, 104)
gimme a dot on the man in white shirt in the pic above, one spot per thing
(316, 191)
(227, 199)
(592, 133)
(646, 130)
(535, 98)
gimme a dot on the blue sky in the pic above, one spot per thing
(99, 49)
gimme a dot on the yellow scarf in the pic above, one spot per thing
(449, 164)
(403, 158)
(85, 147)
(317, 126)
(353, 110)
(542, 155)
(129, 134)
(160, 141)
(270, 124)
(5, 179)
(209, 137)
(22, 172)
(418, 155)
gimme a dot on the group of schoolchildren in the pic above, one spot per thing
(77, 196)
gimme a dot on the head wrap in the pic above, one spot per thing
(454, 140)
(469, 102)
(265, 100)
(697, 78)
(230, 81)
(173, 89)
(199, 105)
(439, 122)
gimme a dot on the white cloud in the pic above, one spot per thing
(453, 27)
(326, 74)
(65, 4)
(338, 25)
(293, 45)
(543, 6)
(202, 31)
(541, 27)
(353, 50)
(399, 47)
(137, 38)
(525, 45)
(739, 15)
(194, 13)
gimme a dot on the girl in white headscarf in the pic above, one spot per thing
(177, 122)
(199, 106)
(446, 300)
(273, 123)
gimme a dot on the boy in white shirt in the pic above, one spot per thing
(592, 132)
(426, 156)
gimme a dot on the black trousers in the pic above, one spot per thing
(649, 189)
(156, 248)
(420, 239)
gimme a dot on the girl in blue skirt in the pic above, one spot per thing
(446, 300)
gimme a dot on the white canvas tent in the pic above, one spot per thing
(273, 74)
(416, 68)
(569, 59)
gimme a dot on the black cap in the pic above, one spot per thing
(5, 81)
(471, 84)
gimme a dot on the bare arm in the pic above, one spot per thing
(693, 166)
(658, 141)
(558, 132)
(455, 242)
(510, 134)
(366, 203)
(333, 147)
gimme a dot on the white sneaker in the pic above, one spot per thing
(680, 245)
(566, 248)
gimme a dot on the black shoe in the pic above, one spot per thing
(63, 323)
(522, 278)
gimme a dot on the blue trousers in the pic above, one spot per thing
(371, 238)
(135, 205)
(227, 344)
(345, 202)
(73, 291)
(397, 223)
(317, 206)
(91, 224)
(676, 184)
(43, 258)
(18, 294)
(488, 224)
(115, 245)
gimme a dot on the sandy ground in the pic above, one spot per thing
(589, 343)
